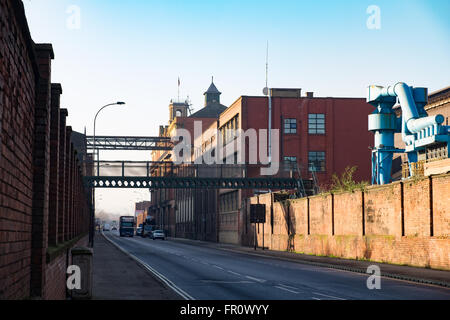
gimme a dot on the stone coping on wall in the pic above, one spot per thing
(56, 251)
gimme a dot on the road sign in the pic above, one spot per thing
(257, 213)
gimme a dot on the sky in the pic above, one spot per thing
(135, 51)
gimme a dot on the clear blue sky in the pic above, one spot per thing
(135, 51)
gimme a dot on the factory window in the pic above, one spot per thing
(178, 113)
(316, 123)
(290, 126)
(290, 163)
(316, 161)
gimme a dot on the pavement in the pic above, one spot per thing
(207, 271)
(414, 274)
(118, 277)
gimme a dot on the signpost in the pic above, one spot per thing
(257, 216)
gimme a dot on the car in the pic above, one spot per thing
(148, 230)
(106, 227)
(114, 229)
(158, 234)
(139, 231)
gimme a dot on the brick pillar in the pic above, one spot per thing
(72, 192)
(77, 198)
(54, 166)
(67, 182)
(62, 174)
(41, 174)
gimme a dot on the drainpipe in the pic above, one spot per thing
(270, 126)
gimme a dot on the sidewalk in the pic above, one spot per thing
(421, 275)
(118, 277)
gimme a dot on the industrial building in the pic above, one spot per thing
(438, 103)
(318, 135)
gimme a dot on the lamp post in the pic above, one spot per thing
(92, 232)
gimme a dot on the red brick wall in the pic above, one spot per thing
(17, 95)
(299, 216)
(417, 208)
(30, 161)
(348, 213)
(55, 286)
(371, 231)
(441, 206)
(320, 215)
(383, 210)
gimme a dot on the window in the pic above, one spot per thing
(178, 114)
(316, 123)
(290, 163)
(316, 161)
(290, 126)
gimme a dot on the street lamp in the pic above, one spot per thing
(119, 103)
(95, 121)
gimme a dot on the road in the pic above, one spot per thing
(205, 273)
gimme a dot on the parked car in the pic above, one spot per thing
(148, 231)
(139, 231)
(158, 234)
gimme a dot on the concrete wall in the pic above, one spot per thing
(403, 223)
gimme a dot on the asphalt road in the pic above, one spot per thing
(204, 273)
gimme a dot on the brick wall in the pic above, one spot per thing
(402, 223)
(383, 210)
(18, 76)
(43, 213)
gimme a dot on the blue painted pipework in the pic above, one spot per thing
(417, 128)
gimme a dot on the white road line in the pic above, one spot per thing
(291, 291)
(256, 279)
(315, 298)
(226, 282)
(293, 288)
(324, 295)
(235, 273)
(166, 281)
(219, 267)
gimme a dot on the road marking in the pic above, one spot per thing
(285, 289)
(315, 298)
(225, 282)
(256, 279)
(324, 295)
(219, 267)
(293, 288)
(235, 273)
(166, 281)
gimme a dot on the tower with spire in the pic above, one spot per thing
(212, 95)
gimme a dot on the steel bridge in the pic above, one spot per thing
(167, 175)
(129, 143)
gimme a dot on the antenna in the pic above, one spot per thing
(266, 88)
(267, 65)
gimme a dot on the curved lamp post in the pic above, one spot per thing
(93, 158)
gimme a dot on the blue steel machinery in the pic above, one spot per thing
(420, 132)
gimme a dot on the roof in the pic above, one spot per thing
(212, 110)
(212, 89)
(439, 91)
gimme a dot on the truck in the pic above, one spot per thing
(126, 226)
